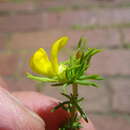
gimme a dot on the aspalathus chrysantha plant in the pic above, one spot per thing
(68, 73)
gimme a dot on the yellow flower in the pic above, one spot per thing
(41, 64)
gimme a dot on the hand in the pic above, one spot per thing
(18, 112)
(14, 116)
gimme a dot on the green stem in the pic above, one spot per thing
(75, 96)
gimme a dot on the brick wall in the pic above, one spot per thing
(27, 25)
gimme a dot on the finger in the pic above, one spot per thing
(86, 126)
(43, 105)
(14, 116)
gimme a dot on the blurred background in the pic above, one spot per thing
(26, 25)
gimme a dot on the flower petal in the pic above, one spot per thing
(41, 64)
(56, 47)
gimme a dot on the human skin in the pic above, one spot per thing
(31, 111)
(14, 116)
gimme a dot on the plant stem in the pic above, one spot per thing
(75, 96)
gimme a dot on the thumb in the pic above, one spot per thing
(86, 126)
(43, 105)
(14, 116)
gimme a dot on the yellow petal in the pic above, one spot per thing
(41, 64)
(56, 47)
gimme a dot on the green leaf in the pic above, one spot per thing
(93, 77)
(57, 84)
(81, 43)
(64, 88)
(83, 114)
(59, 105)
(90, 53)
(41, 79)
(67, 96)
(95, 51)
(74, 67)
(80, 99)
(76, 125)
(86, 82)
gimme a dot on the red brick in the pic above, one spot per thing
(24, 66)
(96, 38)
(79, 4)
(121, 94)
(3, 83)
(87, 17)
(126, 35)
(59, 3)
(15, 23)
(121, 1)
(52, 91)
(8, 63)
(27, 22)
(111, 62)
(96, 99)
(21, 84)
(2, 41)
(11, 6)
(33, 40)
(111, 122)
